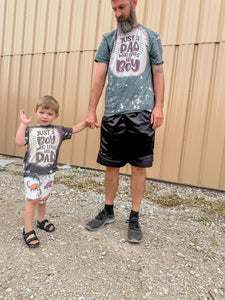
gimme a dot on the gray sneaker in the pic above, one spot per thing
(100, 220)
(134, 231)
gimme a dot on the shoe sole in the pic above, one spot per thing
(134, 241)
(109, 221)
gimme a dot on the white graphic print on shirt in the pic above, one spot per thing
(129, 55)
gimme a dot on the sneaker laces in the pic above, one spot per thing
(133, 223)
(101, 215)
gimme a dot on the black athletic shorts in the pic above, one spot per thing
(127, 138)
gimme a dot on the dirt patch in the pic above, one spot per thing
(182, 255)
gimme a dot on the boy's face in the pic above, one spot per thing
(45, 116)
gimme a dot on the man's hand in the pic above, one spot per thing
(157, 117)
(91, 120)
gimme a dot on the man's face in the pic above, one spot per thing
(125, 15)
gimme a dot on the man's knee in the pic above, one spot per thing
(138, 170)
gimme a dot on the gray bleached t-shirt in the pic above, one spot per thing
(43, 148)
(129, 58)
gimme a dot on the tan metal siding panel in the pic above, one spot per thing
(212, 172)
(64, 25)
(70, 113)
(90, 27)
(41, 26)
(153, 14)
(197, 113)
(5, 66)
(2, 24)
(188, 21)
(29, 30)
(70, 32)
(176, 114)
(48, 63)
(221, 31)
(24, 85)
(141, 11)
(36, 74)
(77, 25)
(19, 27)
(209, 20)
(169, 55)
(52, 26)
(9, 27)
(84, 81)
(170, 21)
(12, 104)
(106, 21)
(59, 77)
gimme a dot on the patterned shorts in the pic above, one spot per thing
(38, 187)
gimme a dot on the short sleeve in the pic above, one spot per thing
(103, 53)
(26, 135)
(156, 50)
(67, 133)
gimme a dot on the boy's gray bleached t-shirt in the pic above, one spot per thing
(129, 58)
(43, 144)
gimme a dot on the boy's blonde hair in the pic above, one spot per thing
(47, 102)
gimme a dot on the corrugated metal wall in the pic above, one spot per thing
(48, 47)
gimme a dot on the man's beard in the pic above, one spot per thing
(125, 25)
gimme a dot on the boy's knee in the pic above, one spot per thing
(33, 202)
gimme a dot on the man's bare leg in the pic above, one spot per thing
(111, 184)
(138, 179)
(106, 216)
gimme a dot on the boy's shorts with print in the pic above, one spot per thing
(38, 187)
(127, 138)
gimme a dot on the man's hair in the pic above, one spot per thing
(48, 102)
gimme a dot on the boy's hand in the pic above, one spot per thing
(23, 118)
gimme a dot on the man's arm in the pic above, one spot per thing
(158, 83)
(96, 92)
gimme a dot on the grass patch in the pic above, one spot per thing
(86, 184)
(204, 220)
(18, 173)
(173, 199)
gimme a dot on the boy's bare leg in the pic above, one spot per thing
(29, 217)
(138, 179)
(111, 184)
(41, 210)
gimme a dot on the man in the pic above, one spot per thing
(131, 56)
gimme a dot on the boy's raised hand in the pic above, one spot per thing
(23, 117)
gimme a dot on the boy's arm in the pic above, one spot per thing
(79, 127)
(20, 135)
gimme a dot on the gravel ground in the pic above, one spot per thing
(182, 255)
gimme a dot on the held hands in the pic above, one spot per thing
(157, 117)
(91, 120)
(23, 118)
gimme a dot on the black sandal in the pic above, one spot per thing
(42, 225)
(28, 241)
